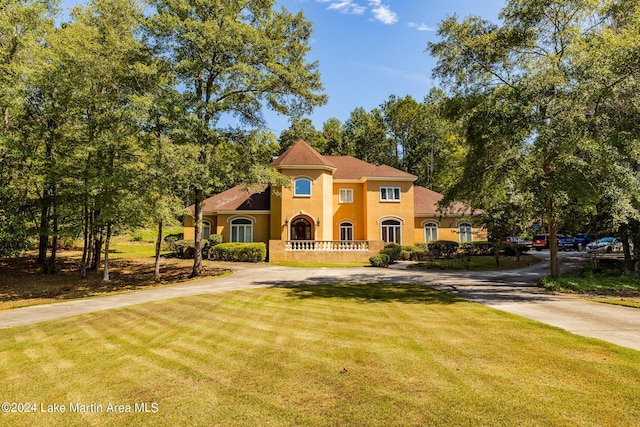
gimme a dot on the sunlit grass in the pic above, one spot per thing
(596, 284)
(346, 354)
(478, 263)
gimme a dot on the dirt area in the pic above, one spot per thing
(23, 283)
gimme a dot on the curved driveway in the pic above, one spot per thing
(513, 291)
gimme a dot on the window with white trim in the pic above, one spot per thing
(206, 230)
(346, 231)
(302, 187)
(346, 195)
(465, 232)
(242, 230)
(391, 231)
(389, 194)
(430, 232)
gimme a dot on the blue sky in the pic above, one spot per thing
(371, 49)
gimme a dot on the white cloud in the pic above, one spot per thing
(383, 13)
(420, 27)
(345, 6)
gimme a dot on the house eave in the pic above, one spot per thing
(238, 212)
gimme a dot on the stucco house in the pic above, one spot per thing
(338, 209)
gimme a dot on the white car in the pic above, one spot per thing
(605, 245)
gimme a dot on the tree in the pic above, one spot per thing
(527, 114)
(406, 122)
(231, 59)
(24, 29)
(112, 70)
(365, 132)
(305, 130)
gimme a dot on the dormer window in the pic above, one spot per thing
(302, 187)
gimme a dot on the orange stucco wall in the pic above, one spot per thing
(377, 210)
(316, 208)
(447, 228)
(349, 212)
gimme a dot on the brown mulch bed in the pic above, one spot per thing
(23, 283)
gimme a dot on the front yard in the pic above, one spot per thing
(131, 268)
(345, 354)
(602, 280)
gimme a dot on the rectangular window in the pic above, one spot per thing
(346, 195)
(390, 194)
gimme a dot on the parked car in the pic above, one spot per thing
(540, 242)
(605, 245)
(583, 239)
(566, 243)
(513, 240)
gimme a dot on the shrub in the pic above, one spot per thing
(420, 252)
(477, 248)
(442, 248)
(183, 248)
(380, 260)
(510, 250)
(393, 250)
(215, 239)
(173, 237)
(239, 252)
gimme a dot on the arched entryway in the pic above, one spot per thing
(301, 229)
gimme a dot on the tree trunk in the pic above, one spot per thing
(628, 264)
(50, 266)
(156, 274)
(552, 223)
(197, 238)
(98, 239)
(496, 252)
(105, 274)
(44, 236)
(85, 247)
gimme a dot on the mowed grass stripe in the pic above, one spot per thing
(350, 354)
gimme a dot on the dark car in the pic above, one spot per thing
(566, 243)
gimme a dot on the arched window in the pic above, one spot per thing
(391, 231)
(346, 231)
(302, 187)
(206, 229)
(465, 232)
(430, 232)
(242, 230)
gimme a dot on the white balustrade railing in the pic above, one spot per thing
(327, 245)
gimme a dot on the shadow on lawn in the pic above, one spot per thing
(371, 292)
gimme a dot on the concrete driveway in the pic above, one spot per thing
(512, 291)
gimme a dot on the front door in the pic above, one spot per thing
(300, 229)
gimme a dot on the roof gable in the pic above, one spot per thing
(302, 154)
(238, 199)
(426, 203)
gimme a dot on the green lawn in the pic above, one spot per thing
(478, 263)
(619, 289)
(317, 355)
